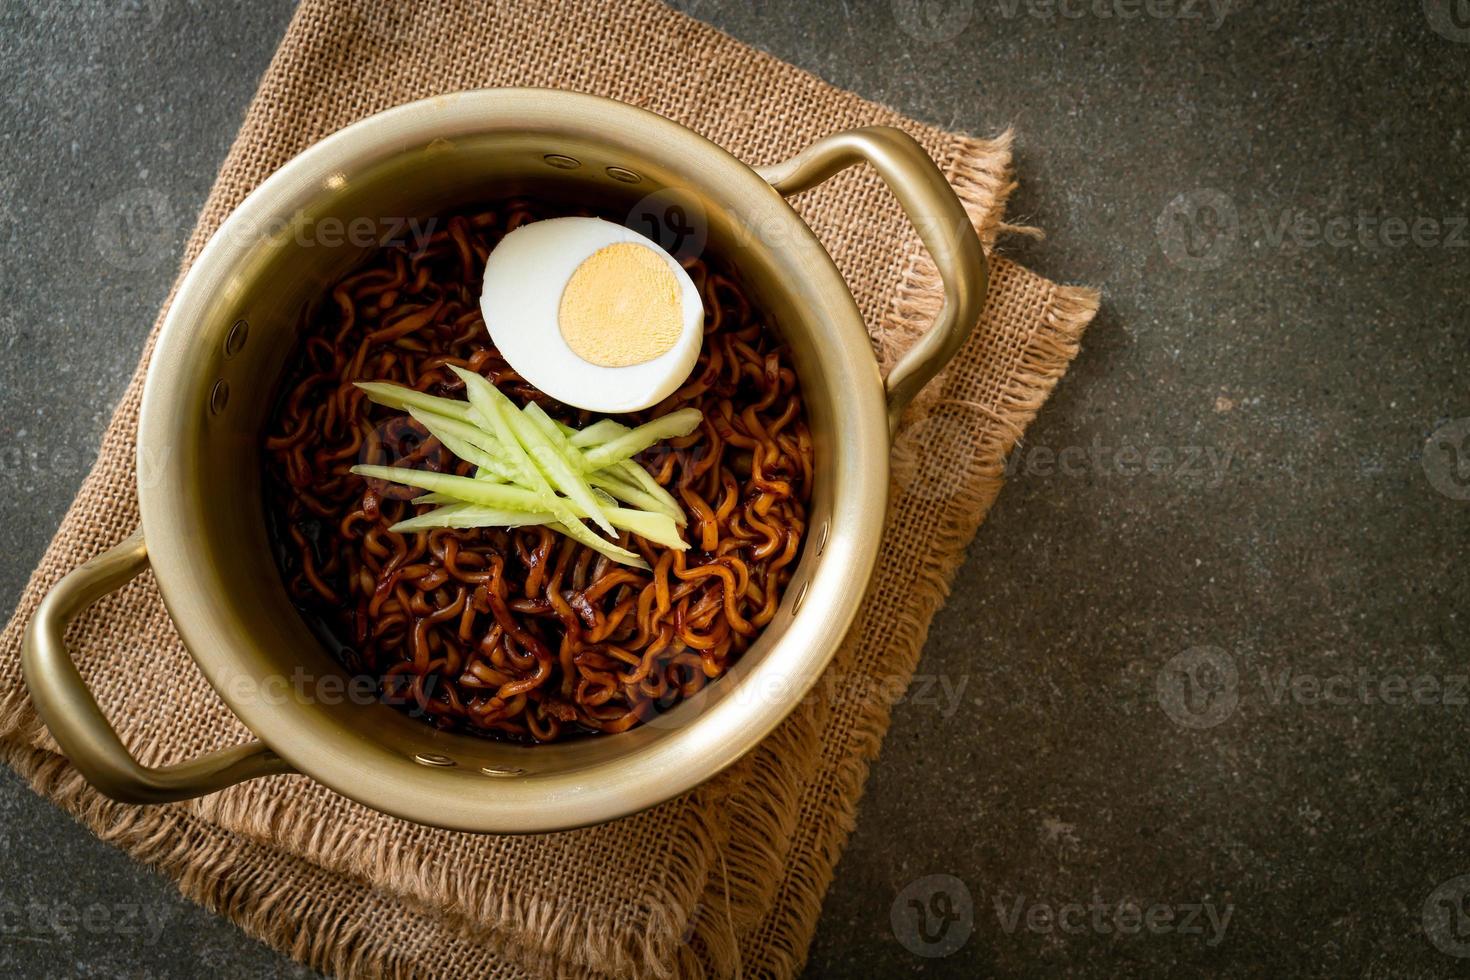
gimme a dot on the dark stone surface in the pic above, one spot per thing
(1178, 671)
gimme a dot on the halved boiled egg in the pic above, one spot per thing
(592, 313)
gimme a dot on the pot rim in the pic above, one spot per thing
(667, 766)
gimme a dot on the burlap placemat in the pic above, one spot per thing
(731, 876)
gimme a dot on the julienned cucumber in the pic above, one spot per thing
(533, 470)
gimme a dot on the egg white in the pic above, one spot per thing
(525, 276)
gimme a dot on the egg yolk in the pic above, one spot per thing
(621, 307)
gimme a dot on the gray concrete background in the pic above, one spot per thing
(1207, 656)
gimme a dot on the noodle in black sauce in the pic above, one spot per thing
(522, 633)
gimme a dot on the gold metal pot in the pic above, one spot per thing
(214, 376)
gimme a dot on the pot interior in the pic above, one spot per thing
(215, 379)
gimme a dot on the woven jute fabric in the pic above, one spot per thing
(730, 877)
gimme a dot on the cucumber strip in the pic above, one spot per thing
(613, 477)
(553, 434)
(597, 433)
(658, 528)
(538, 460)
(497, 496)
(606, 481)
(610, 478)
(485, 404)
(578, 456)
(642, 478)
(451, 433)
(469, 515)
(463, 488)
(449, 498)
(630, 473)
(404, 398)
(559, 471)
(672, 426)
(468, 432)
(540, 438)
(594, 435)
(566, 459)
(549, 427)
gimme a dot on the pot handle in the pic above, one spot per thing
(937, 215)
(77, 722)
